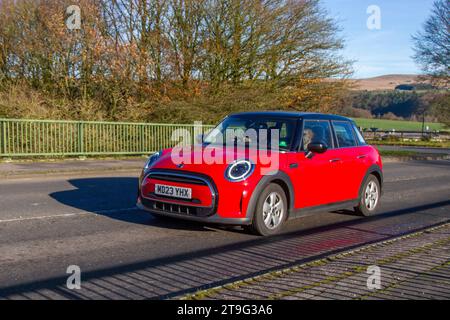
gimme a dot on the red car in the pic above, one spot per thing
(316, 162)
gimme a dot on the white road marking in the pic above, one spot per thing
(400, 179)
(65, 215)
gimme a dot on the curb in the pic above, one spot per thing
(59, 172)
(54, 173)
(393, 159)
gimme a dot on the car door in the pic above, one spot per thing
(347, 152)
(362, 157)
(314, 178)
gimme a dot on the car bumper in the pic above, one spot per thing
(210, 203)
(213, 219)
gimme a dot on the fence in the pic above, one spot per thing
(21, 138)
(406, 135)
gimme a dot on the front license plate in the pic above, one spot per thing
(171, 191)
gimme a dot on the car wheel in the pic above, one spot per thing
(271, 211)
(369, 197)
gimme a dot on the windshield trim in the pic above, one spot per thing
(291, 145)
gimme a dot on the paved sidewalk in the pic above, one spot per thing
(415, 266)
(18, 169)
(24, 168)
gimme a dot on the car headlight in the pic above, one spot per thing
(151, 160)
(239, 170)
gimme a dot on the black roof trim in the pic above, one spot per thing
(293, 114)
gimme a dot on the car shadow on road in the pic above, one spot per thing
(347, 212)
(115, 198)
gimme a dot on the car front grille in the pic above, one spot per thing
(164, 204)
(164, 207)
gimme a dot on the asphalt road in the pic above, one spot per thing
(48, 223)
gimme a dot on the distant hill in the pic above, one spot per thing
(386, 82)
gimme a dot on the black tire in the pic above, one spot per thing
(258, 225)
(367, 208)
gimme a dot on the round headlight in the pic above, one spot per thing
(239, 170)
(152, 159)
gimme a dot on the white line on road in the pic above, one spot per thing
(65, 215)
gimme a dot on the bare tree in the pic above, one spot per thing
(130, 53)
(432, 44)
(184, 33)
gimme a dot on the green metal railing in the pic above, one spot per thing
(21, 138)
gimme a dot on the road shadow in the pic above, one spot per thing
(347, 212)
(115, 198)
(172, 276)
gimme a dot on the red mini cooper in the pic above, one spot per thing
(259, 169)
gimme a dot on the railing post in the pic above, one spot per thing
(81, 138)
(141, 133)
(3, 140)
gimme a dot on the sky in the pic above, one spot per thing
(386, 50)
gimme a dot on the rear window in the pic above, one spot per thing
(359, 135)
(344, 134)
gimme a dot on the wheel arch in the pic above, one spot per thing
(280, 178)
(373, 170)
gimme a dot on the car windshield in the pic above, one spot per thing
(263, 132)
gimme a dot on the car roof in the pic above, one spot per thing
(292, 114)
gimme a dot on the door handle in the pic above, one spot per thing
(361, 156)
(293, 165)
(335, 160)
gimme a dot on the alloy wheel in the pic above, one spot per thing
(371, 196)
(273, 210)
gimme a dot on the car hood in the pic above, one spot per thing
(201, 159)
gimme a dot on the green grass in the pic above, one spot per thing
(398, 153)
(430, 144)
(398, 125)
(405, 153)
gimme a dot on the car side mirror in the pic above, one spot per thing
(315, 147)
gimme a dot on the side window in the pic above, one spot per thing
(316, 130)
(285, 132)
(359, 135)
(344, 134)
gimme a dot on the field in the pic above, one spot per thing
(382, 124)
(427, 144)
(386, 82)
